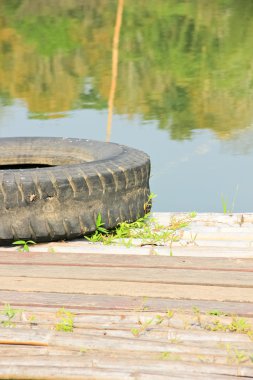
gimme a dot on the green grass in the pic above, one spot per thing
(144, 231)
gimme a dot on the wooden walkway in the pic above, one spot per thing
(145, 312)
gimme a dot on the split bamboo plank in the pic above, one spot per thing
(105, 303)
(210, 218)
(153, 366)
(67, 358)
(16, 372)
(193, 339)
(24, 337)
(58, 373)
(242, 279)
(133, 344)
(28, 351)
(84, 359)
(147, 289)
(189, 340)
(237, 249)
(188, 376)
(77, 342)
(185, 330)
(137, 261)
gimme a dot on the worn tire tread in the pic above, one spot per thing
(63, 201)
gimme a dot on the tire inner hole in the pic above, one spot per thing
(24, 166)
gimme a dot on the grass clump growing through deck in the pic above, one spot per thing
(213, 321)
(66, 321)
(9, 314)
(237, 325)
(144, 231)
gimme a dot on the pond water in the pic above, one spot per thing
(184, 87)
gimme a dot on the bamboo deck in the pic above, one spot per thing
(145, 312)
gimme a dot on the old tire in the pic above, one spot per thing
(54, 188)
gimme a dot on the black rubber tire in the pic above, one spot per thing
(62, 200)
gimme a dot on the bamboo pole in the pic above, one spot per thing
(115, 59)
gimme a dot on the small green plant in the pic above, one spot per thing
(235, 355)
(197, 313)
(66, 322)
(23, 245)
(143, 306)
(202, 358)
(148, 204)
(51, 250)
(143, 327)
(224, 202)
(241, 356)
(10, 314)
(32, 320)
(135, 331)
(239, 325)
(100, 224)
(170, 313)
(174, 339)
(216, 313)
(196, 310)
(159, 319)
(83, 350)
(169, 356)
(193, 238)
(100, 231)
(165, 355)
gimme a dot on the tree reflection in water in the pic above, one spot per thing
(185, 64)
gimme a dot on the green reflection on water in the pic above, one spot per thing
(186, 64)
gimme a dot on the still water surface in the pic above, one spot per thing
(184, 89)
